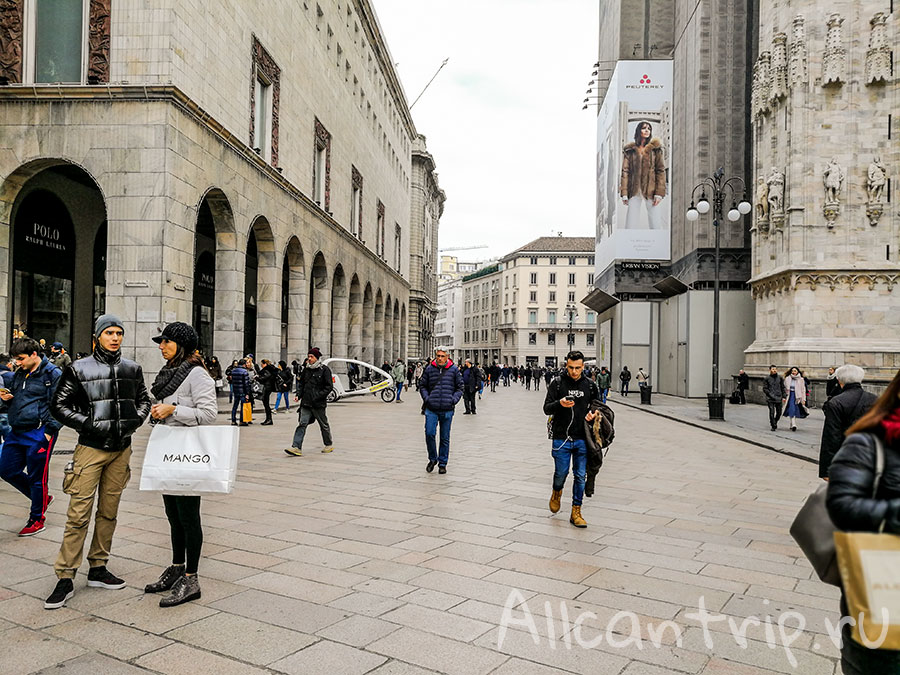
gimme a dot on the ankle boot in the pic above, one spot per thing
(555, 499)
(187, 588)
(576, 518)
(166, 580)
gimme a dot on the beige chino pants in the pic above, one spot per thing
(106, 474)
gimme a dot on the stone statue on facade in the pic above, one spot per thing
(876, 179)
(775, 188)
(835, 55)
(833, 180)
(878, 56)
(762, 204)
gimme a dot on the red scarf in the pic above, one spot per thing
(891, 426)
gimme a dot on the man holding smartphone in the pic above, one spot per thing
(25, 461)
(567, 401)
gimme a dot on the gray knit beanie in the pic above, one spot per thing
(105, 322)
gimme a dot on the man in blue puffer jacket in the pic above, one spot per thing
(25, 461)
(441, 387)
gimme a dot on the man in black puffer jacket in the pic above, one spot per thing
(842, 411)
(441, 387)
(104, 398)
(314, 384)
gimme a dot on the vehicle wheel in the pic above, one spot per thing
(388, 395)
(332, 396)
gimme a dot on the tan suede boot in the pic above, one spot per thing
(555, 499)
(576, 518)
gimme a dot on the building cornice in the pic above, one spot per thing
(114, 93)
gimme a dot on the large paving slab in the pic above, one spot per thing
(361, 562)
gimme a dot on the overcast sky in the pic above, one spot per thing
(514, 149)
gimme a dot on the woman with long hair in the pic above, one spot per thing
(852, 507)
(643, 181)
(795, 386)
(185, 396)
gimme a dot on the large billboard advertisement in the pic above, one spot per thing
(634, 147)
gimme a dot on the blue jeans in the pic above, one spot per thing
(563, 453)
(278, 396)
(431, 423)
(236, 410)
(399, 389)
(603, 394)
(24, 465)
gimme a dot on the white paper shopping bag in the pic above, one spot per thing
(191, 460)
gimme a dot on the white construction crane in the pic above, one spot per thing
(461, 248)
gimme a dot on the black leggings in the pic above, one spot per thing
(187, 535)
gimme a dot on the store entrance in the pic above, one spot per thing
(43, 268)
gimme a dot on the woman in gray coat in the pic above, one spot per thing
(185, 395)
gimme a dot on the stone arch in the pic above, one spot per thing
(368, 325)
(378, 332)
(294, 314)
(77, 197)
(319, 304)
(339, 313)
(262, 300)
(217, 306)
(355, 320)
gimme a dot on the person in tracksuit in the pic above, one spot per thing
(25, 461)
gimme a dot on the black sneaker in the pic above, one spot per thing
(64, 590)
(442, 469)
(100, 577)
(430, 466)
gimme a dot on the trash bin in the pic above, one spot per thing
(716, 406)
(645, 394)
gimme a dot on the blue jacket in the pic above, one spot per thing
(29, 407)
(441, 388)
(240, 382)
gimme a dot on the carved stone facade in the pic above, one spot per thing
(779, 68)
(799, 68)
(878, 57)
(834, 63)
(826, 282)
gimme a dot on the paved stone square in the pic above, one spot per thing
(360, 562)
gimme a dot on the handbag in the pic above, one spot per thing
(220, 383)
(191, 460)
(868, 563)
(246, 412)
(814, 531)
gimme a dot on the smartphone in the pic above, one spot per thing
(569, 398)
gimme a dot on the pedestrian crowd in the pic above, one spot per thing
(103, 397)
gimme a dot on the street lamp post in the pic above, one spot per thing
(572, 312)
(721, 188)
